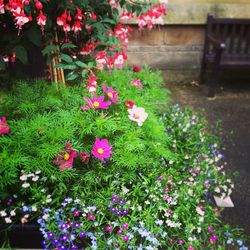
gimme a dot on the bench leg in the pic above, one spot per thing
(202, 78)
(213, 81)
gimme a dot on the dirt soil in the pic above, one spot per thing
(231, 106)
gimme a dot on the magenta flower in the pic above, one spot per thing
(4, 129)
(213, 238)
(137, 83)
(96, 103)
(66, 158)
(112, 94)
(101, 149)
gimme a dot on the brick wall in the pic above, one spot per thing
(176, 48)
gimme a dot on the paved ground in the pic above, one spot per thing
(232, 107)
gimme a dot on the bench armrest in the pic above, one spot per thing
(217, 43)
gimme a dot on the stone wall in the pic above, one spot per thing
(176, 48)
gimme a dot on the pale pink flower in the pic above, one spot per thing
(138, 115)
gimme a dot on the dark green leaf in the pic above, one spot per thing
(35, 36)
(81, 64)
(72, 77)
(66, 58)
(84, 72)
(68, 45)
(49, 48)
(21, 54)
(2, 64)
(66, 66)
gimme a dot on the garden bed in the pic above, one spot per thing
(112, 170)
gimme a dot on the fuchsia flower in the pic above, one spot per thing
(66, 158)
(138, 115)
(101, 149)
(112, 94)
(4, 128)
(96, 103)
(137, 83)
(41, 20)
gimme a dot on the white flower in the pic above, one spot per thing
(8, 220)
(217, 190)
(171, 162)
(147, 202)
(159, 222)
(138, 115)
(12, 213)
(35, 178)
(34, 208)
(45, 216)
(124, 190)
(38, 172)
(23, 177)
(3, 213)
(25, 185)
(198, 230)
(200, 211)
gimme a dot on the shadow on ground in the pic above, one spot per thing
(232, 107)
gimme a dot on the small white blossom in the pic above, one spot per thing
(23, 177)
(35, 178)
(25, 185)
(3, 213)
(12, 213)
(8, 220)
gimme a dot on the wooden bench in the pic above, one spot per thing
(227, 46)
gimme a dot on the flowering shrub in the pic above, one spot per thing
(85, 35)
(152, 191)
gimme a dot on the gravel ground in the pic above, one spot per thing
(232, 107)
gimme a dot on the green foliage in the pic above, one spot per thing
(43, 118)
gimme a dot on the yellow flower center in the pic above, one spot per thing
(110, 95)
(96, 104)
(136, 116)
(66, 156)
(100, 151)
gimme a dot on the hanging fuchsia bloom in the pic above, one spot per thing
(101, 149)
(4, 128)
(41, 20)
(96, 103)
(138, 115)
(65, 159)
(137, 83)
(112, 94)
(2, 9)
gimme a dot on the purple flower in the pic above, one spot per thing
(122, 202)
(109, 228)
(82, 234)
(113, 209)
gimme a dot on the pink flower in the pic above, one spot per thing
(137, 83)
(136, 68)
(101, 60)
(112, 94)
(4, 129)
(91, 217)
(66, 158)
(213, 238)
(138, 115)
(190, 248)
(101, 149)
(109, 228)
(129, 104)
(96, 103)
